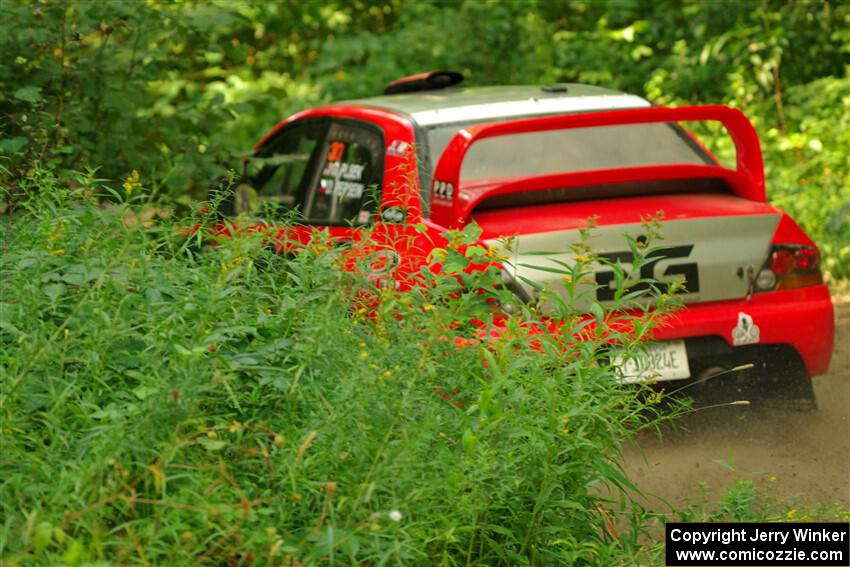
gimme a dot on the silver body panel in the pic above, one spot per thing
(718, 251)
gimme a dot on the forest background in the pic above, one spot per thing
(180, 90)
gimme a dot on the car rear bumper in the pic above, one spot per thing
(801, 318)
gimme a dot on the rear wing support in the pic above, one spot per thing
(451, 206)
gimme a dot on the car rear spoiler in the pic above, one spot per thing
(451, 205)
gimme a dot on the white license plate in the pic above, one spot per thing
(660, 361)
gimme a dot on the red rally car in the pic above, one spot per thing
(534, 163)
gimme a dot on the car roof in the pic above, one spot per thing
(453, 105)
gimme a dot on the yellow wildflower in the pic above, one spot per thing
(133, 182)
(655, 397)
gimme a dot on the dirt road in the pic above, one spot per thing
(803, 456)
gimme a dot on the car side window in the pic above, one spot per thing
(280, 172)
(348, 187)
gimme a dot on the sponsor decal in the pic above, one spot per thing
(745, 332)
(346, 171)
(394, 215)
(343, 189)
(343, 180)
(397, 148)
(650, 269)
(443, 191)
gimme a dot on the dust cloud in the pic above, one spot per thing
(798, 456)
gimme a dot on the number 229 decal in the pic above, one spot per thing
(648, 270)
(443, 190)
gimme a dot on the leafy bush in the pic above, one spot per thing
(167, 405)
(807, 169)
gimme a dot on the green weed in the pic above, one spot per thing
(164, 404)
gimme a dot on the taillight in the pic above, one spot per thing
(782, 261)
(790, 266)
(786, 259)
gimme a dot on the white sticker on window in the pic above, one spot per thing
(347, 171)
(345, 190)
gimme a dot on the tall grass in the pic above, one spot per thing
(166, 405)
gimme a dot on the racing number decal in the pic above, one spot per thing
(336, 151)
(443, 191)
(688, 270)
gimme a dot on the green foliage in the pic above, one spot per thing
(809, 167)
(167, 404)
(173, 90)
(746, 501)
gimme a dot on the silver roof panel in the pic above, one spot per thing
(530, 107)
(453, 105)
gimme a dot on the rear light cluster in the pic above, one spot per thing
(785, 260)
(790, 266)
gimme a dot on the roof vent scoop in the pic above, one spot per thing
(431, 81)
(556, 88)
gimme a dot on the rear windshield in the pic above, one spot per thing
(576, 149)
